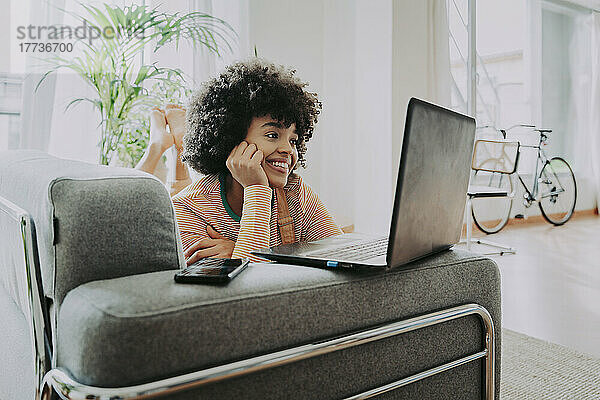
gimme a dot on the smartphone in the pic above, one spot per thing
(212, 270)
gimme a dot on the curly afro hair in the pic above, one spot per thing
(220, 112)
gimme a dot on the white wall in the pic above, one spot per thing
(343, 49)
(290, 33)
(420, 61)
(365, 59)
(331, 161)
(375, 178)
(74, 133)
(409, 62)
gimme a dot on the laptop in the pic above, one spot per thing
(429, 204)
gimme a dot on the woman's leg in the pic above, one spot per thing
(175, 115)
(160, 141)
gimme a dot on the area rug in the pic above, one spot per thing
(535, 369)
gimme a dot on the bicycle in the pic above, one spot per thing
(554, 190)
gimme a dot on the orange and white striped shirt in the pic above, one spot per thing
(205, 203)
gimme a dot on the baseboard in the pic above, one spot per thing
(536, 219)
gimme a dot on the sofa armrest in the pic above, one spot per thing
(270, 307)
(92, 221)
(108, 228)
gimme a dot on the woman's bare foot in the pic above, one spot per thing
(175, 115)
(158, 129)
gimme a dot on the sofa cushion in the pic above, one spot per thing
(92, 221)
(141, 328)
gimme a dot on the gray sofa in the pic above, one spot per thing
(91, 305)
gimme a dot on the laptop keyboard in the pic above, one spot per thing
(355, 252)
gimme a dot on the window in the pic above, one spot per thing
(10, 106)
(533, 67)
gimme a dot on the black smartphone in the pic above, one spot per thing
(212, 270)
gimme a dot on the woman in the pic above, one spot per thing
(246, 132)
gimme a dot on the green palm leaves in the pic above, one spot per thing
(110, 59)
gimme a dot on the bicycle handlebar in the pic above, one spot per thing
(507, 129)
(542, 131)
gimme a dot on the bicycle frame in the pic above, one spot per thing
(542, 159)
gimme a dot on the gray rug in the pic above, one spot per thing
(535, 369)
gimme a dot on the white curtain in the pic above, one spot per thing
(235, 13)
(38, 106)
(577, 128)
(595, 104)
(74, 133)
(198, 63)
(438, 57)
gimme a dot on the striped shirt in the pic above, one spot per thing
(205, 203)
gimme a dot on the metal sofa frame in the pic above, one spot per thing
(52, 380)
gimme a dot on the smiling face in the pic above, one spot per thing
(278, 144)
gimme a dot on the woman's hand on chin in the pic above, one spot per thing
(245, 164)
(218, 246)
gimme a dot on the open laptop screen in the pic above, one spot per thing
(432, 182)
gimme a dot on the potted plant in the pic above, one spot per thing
(125, 87)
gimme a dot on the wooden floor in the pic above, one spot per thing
(551, 287)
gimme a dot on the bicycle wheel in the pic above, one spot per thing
(491, 214)
(558, 191)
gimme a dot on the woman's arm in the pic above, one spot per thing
(254, 230)
(198, 238)
(245, 165)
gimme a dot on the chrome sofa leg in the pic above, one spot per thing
(488, 353)
(16, 221)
